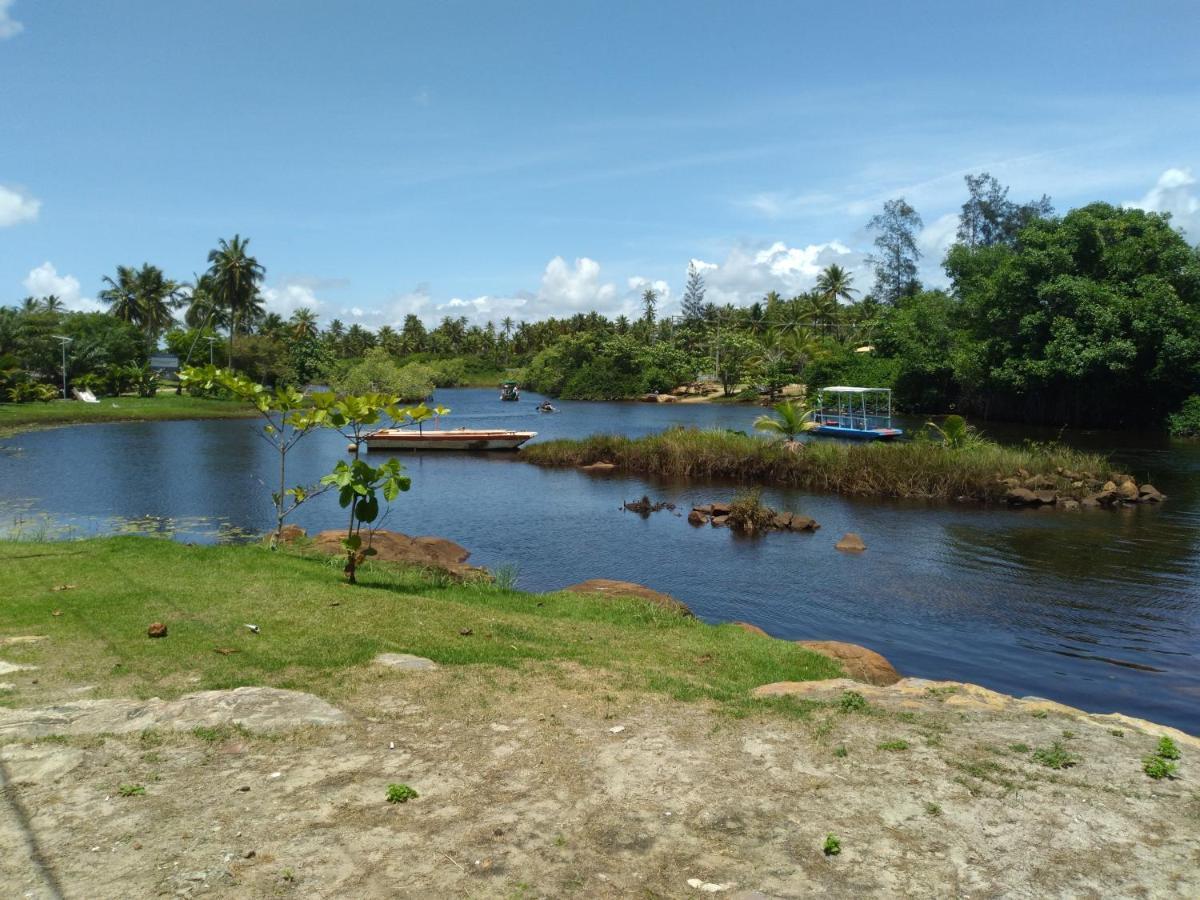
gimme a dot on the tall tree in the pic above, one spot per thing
(649, 305)
(897, 253)
(236, 276)
(693, 296)
(836, 284)
(988, 217)
(144, 297)
(304, 324)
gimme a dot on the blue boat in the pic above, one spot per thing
(854, 412)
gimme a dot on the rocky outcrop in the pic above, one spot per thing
(717, 515)
(915, 693)
(645, 506)
(850, 543)
(426, 552)
(1075, 490)
(858, 662)
(606, 587)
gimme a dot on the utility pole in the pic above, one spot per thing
(64, 340)
(211, 340)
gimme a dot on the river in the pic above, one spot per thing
(1098, 609)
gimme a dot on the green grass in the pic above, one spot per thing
(926, 470)
(15, 417)
(314, 628)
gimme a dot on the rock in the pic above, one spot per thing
(858, 662)
(1121, 478)
(427, 552)
(720, 509)
(606, 587)
(752, 629)
(666, 398)
(695, 517)
(157, 630)
(1090, 502)
(1047, 498)
(851, 543)
(1021, 497)
(803, 523)
(649, 398)
(1110, 487)
(1069, 504)
(7, 667)
(598, 468)
(259, 709)
(719, 521)
(404, 661)
(39, 764)
(706, 509)
(291, 533)
(1127, 490)
(782, 520)
(1148, 493)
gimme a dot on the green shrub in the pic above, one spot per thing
(1167, 748)
(1186, 422)
(1056, 756)
(833, 846)
(747, 512)
(400, 793)
(1157, 767)
(852, 701)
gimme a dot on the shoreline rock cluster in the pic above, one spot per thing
(717, 515)
(1085, 492)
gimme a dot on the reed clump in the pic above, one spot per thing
(915, 470)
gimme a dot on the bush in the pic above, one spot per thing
(377, 372)
(747, 512)
(1186, 422)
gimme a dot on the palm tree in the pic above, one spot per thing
(144, 297)
(790, 419)
(836, 283)
(121, 294)
(31, 305)
(235, 279)
(52, 303)
(304, 324)
(272, 325)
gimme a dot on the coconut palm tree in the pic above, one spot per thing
(52, 303)
(235, 279)
(144, 297)
(836, 283)
(789, 420)
(304, 324)
(121, 294)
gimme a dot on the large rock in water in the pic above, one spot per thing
(427, 552)
(606, 587)
(859, 663)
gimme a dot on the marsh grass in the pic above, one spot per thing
(313, 628)
(918, 469)
(16, 417)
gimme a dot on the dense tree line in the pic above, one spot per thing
(1091, 318)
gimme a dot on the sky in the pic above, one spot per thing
(528, 159)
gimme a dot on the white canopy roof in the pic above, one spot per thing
(839, 389)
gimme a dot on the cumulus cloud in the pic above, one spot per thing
(9, 27)
(45, 280)
(289, 296)
(1174, 193)
(15, 204)
(748, 272)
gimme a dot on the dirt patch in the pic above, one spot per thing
(552, 781)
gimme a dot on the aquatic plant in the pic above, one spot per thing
(919, 470)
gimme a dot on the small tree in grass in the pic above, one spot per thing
(789, 420)
(359, 485)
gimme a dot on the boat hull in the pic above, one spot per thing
(462, 439)
(860, 434)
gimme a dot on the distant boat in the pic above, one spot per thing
(854, 412)
(510, 391)
(546, 407)
(458, 439)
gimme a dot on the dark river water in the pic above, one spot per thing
(1096, 609)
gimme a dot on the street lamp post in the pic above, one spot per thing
(64, 340)
(211, 340)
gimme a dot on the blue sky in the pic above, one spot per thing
(526, 159)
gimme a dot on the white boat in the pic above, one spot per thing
(458, 439)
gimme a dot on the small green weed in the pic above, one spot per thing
(1157, 767)
(852, 701)
(893, 746)
(52, 739)
(1019, 748)
(1056, 756)
(131, 790)
(1040, 714)
(840, 751)
(1067, 735)
(833, 846)
(932, 809)
(1116, 732)
(1167, 749)
(400, 793)
(941, 693)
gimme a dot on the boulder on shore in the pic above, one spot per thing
(719, 521)
(696, 517)
(427, 552)
(858, 662)
(1021, 496)
(851, 543)
(1148, 493)
(598, 467)
(607, 587)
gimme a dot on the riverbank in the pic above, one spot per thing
(912, 470)
(18, 417)
(553, 745)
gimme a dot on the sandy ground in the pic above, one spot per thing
(553, 782)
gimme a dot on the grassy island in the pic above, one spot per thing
(15, 417)
(918, 469)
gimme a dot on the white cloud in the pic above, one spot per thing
(937, 237)
(45, 280)
(782, 205)
(1174, 193)
(15, 204)
(9, 27)
(289, 296)
(748, 273)
(575, 288)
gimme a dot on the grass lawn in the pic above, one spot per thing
(16, 417)
(314, 628)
